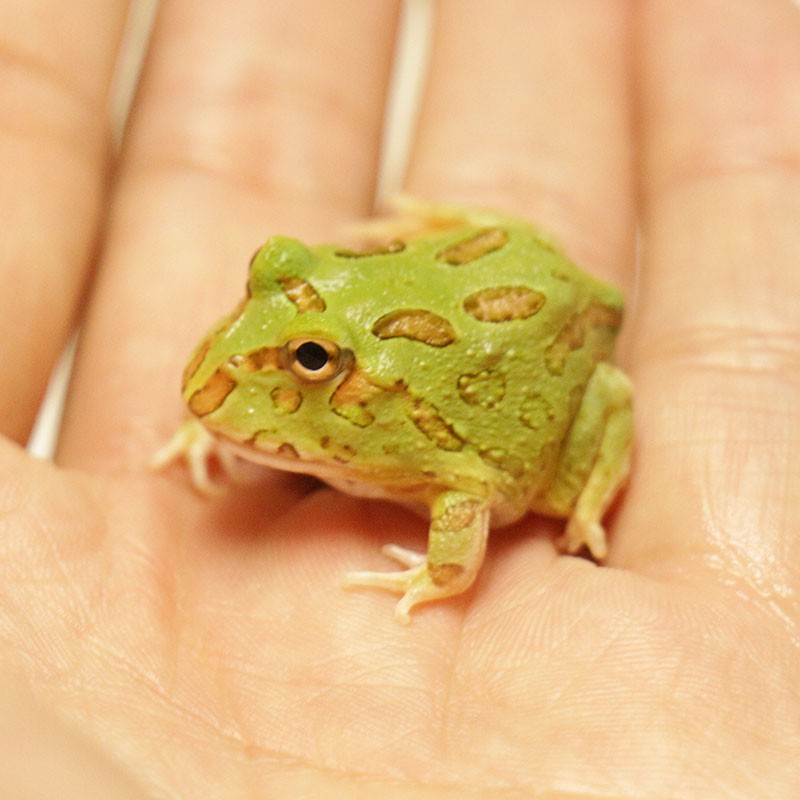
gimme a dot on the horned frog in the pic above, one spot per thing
(462, 370)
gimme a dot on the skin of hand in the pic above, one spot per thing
(205, 648)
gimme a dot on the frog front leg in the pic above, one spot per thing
(193, 443)
(456, 546)
(595, 460)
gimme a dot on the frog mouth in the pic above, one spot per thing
(380, 483)
(284, 456)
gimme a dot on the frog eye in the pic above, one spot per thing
(314, 359)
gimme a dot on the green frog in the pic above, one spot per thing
(461, 369)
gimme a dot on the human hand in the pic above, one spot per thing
(207, 646)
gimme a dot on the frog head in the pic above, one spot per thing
(280, 377)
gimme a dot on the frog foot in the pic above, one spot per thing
(406, 582)
(198, 448)
(456, 545)
(415, 583)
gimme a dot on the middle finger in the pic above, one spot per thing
(528, 110)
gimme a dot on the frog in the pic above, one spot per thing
(459, 364)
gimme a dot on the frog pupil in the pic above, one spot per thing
(312, 356)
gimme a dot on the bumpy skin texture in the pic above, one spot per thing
(463, 371)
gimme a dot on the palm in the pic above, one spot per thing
(208, 646)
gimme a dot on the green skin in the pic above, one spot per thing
(475, 385)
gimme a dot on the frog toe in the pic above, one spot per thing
(582, 532)
(400, 582)
(408, 558)
(431, 584)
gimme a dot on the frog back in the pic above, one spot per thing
(491, 332)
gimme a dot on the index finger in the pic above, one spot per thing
(527, 110)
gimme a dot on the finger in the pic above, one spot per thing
(527, 109)
(252, 118)
(716, 354)
(56, 62)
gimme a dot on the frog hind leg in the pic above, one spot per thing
(456, 546)
(407, 218)
(595, 460)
